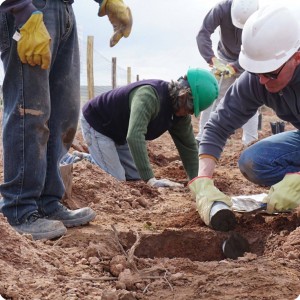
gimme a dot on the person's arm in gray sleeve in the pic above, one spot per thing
(241, 102)
(211, 21)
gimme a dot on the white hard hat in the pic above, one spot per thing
(241, 10)
(269, 38)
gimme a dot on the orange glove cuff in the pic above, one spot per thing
(208, 156)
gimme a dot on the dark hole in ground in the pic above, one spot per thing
(194, 245)
(206, 244)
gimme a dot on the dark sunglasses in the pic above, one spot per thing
(270, 75)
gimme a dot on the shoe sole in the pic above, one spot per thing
(80, 221)
(47, 235)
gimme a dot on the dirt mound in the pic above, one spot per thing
(148, 243)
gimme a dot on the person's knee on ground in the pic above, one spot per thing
(257, 168)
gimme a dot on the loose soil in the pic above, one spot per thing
(149, 243)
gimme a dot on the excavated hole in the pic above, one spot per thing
(197, 246)
(206, 244)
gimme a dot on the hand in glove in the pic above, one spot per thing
(231, 70)
(163, 183)
(284, 195)
(220, 69)
(205, 192)
(119, 16)
(34, 43)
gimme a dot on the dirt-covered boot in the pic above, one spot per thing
(72, 218)
(41, 228)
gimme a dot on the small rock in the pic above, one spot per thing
(117, 265)
(93, 260)
(109, 295)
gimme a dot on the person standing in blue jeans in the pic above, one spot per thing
(271, 57)
(39, 50)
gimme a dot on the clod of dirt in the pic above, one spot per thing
(235, 246)
(109, 295)
(129, 279)
(118, 265)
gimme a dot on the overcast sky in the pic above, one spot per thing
(162, 43)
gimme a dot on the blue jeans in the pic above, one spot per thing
(41, 109)
(267, 161)
(114, 159)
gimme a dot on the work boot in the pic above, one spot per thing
(41, 228)
(281, 126)
(72, 218)
(274, 127)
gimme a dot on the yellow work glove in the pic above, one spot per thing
(205, 193)
(284, 195)
(222, 70)
(34, 43)
(119, 16)
(230, 70)
(219, 68)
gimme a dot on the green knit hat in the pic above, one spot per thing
(205, 89)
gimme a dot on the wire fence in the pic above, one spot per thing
(102, 69)
(102, 78)
(102, 74)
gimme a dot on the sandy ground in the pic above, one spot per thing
(148, 243)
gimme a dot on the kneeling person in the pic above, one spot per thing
(117, 124)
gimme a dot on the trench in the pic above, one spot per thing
(206, 244)
(194, 245)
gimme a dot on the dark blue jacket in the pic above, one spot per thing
(109, 112)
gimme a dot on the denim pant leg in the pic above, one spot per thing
(25, 133)
(267, 161)
(103, 151)
(126, 159)
(37, 118)
(64, 83)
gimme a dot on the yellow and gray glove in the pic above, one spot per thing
(163, 183)
(205, 193)
(284, 195)
(220, 69)
(34, 43)
(230, 69)
(119, 16)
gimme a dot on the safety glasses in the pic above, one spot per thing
(271, 75)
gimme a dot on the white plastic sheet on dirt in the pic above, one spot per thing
(248, 203)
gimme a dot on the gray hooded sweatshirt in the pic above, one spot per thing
(241, 102)
(229, 45)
